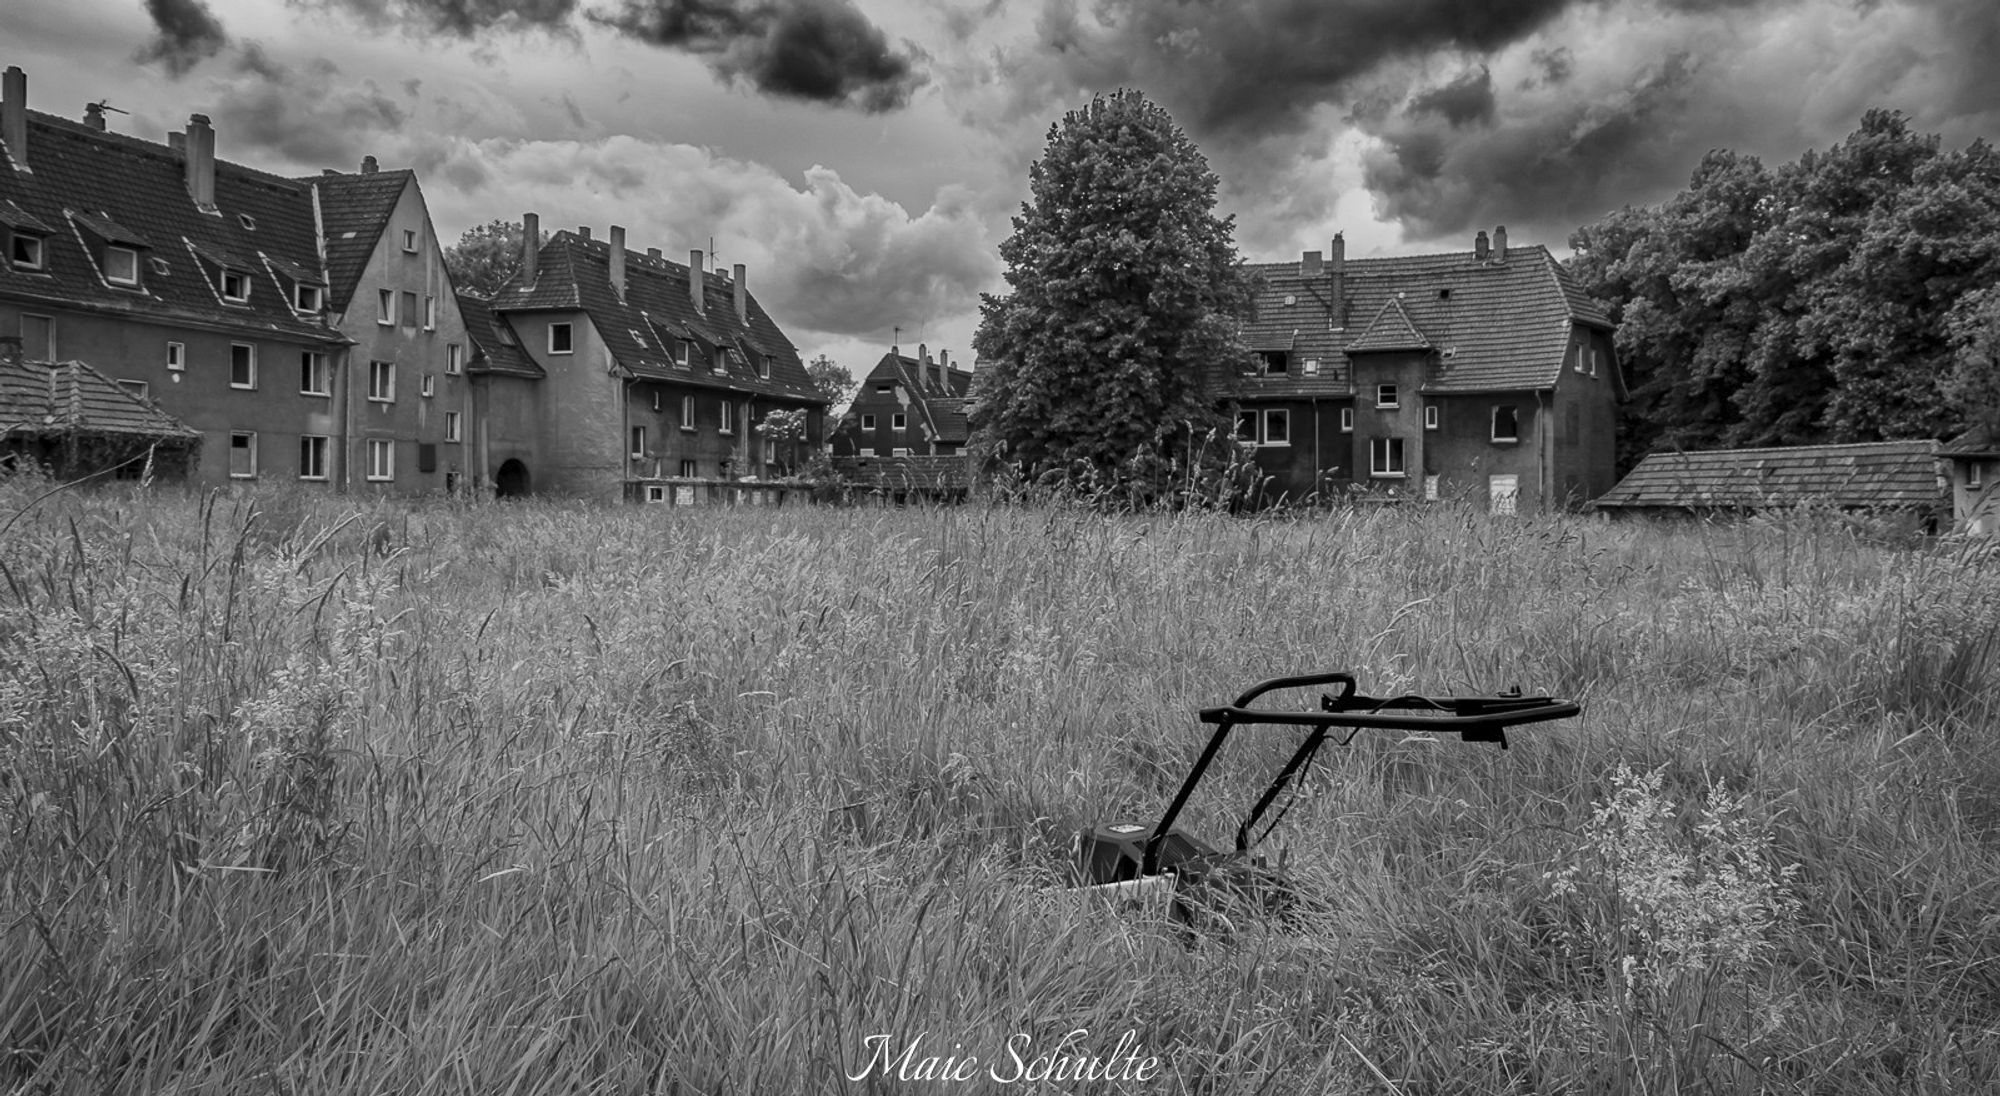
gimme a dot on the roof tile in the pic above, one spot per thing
(1872, 474)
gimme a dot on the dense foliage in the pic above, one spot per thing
(1126, 288)
(1839, 298)
(834, 381)
(485, 257)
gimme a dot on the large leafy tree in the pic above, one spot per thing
(1829, 299)
(485, 257)
(1126, 291)
(833, 380)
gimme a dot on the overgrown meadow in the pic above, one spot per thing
(306, 795)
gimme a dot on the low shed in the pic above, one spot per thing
(1889, 477)
(74, 421)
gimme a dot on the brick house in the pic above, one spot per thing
(240, 302)
(1485, 375)
(655, 377)
(906, 407)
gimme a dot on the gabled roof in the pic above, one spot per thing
(1496, 325)
(43, 398)
(494, 347)
(1875, 474)
(94, 186)
(354, 210)
(657, 309)
(941, 407)
(1391, 329)
(1980, 442)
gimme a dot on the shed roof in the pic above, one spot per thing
(1883, 475)
(71, 397)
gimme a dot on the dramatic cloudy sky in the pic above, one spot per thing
(862, 157)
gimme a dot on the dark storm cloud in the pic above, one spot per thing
(463, 18)
(817, 50)
(187, 33)
(308, 114)
(1462, 102)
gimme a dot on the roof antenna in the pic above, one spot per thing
(105, 104)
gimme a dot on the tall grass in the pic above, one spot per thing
(308, 795)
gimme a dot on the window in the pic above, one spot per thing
(1385, 395)
(656, 492)
(138, 388)
(242, 455)
(722, 356)
(38, 338)
(1311, 368)
(899, 421)
(430, 313)
(381, 459)
(681, 351)
(728, 417)
(385, 307)
(407, 310)
(1273, 361)
(638, 443)
(1347, 420)
(427, 387)
(452, 431)
(1506, 424)
(312, 374)
(899, 451)
(121, 266)
(1593, 361)
(687, 469)
(242, 365)
(410, 240)
(454, 360)
(867, 422)
(308, 298)
(235, 286)
(770, 451)
(1975, 475)
(1385, 457)
(885, 389)
(764, 367)
(1430, 416)
(1246, 427)
(562, 339)
(1582, 358)
(687, 412)
(1277, 427)
(312, 457)
(247, 221)
(176, 356)
(382, 382)
(26, 251)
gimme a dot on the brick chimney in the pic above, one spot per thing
(1480, 249)
(1336, 264)
(1310, 264)
(583, 232)
(943, 372)
(10, 351)
(199, 161)
(369, 166)
(14, 115)
(531, 247)
(742, 295)
(653, 254)
(1500, 244)
(93, 116)
(697, 287)
(618, 260)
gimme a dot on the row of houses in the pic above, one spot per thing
(191, 312)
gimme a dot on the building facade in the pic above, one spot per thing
(1485, 376)
(906, 407)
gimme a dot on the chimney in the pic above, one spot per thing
(1500, 244)
(653, 254)
(93, 116)
(583, 231)
(10, 348)
(178, 141)
(1337, 263)
(200, 161)
(369, 166)
(1310, 265)
(742, 296)
(531, 247)
(1480, 250)
(943, 374)
(618, 260)
(696, 289)
(14, 114)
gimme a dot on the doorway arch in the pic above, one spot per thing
(511, 481)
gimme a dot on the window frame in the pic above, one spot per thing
(1514, 413)
(407, 309)
(249, 437)
(868, 422)
(1347, 420)
(177, 356)
(1430, 416)
(1273, 363)
(383, 372)
(728, 417)
(40, 246)
(313, 368)
(1394, 394)
(249, 384)
(430, 313)
(385, 308)
(899, 420)
(454, 428)
(568, 330)
(1975, 475)
(141, 389)
(688, 421)
(1391, 461)
(241, 279)
(454, 359)
(427, 387)
(1271, 415)
(690, 468)
(376, 472)
(411, 242)
(636, 443)
(299, 298)
(131, 254)
(311, 454)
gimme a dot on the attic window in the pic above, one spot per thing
(235, 286)
(1311, 367)
(680, 352)
(1449, 353)
(1444, 294)
(26, 251)
(764, 368)
(308, 298)
(121, 266)
(1274, 362)
(410, 240)
(160, 267)
(722, 359)
(247, 221)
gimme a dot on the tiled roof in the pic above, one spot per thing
(1497, 326)
(656, 310)
(354, 209)
(942, 409)
(100, 186)
(1980, 441)
(71, 397)
(1391, 329)
(1875, 474)
(906, 473)
(494, 349)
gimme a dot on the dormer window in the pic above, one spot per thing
(1273, 362)
(247, 221)
(160, 267)
(680, 352)
(410, 240)
(26, 252)
(121, 266)
(722, 359)
(764, 367)
(308, 298)
(235, 286)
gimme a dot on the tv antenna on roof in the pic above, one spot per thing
(105, 104)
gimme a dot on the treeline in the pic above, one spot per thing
(1851, 295)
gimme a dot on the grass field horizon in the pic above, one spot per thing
(319, 795)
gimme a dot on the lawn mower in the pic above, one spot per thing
(1133, 860)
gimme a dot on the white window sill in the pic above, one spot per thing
(1389, 475)
(1506, 441)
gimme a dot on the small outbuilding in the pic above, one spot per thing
(74, 421)
(1972, 460)
(1888, 478)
